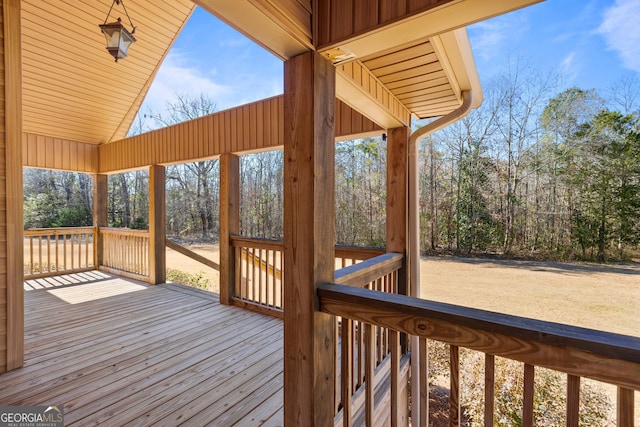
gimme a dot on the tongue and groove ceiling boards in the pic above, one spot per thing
(72, 88)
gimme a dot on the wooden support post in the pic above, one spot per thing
(11, 220)
(397, 181)
(157, 229)
(229, 223)
(397, 230)
(100, 200)
(309, 236)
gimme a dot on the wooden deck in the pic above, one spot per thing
(119, 352)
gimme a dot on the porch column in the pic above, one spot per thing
(229, 222)
(397, 192)
(157, 228)
(397, 232)
(309, 337)
(100, 200)
(11, 222)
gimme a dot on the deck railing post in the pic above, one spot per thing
(229, 223)
(309, 223)
(100, 199)
(157, 230)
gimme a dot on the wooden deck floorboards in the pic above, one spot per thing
(118, 352)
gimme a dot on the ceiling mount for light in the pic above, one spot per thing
(118, 37)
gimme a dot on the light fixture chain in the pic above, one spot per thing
(121, 2)
(133, 28)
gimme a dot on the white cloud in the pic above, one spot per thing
(569, 67)
(175, 76)
(622, 33)
(491, 37)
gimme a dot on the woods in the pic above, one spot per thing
(535, 172)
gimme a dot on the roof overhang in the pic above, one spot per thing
(393, 64)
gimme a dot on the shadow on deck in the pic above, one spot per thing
(120, 352)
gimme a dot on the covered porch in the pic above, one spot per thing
(351, 348)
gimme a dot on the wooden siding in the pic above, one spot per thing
(11, 254)
(252, 127)
(40, 151)
(73, 89)
(118, 352)
(339, 20)
(350, 124)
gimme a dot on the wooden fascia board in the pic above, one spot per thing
(357, 87)
(454, 53)
(427, 24)
(261, 26)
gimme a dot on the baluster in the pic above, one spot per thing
(40, 254)
(454, 386)
(64, 247)
(370, 370)
(48, 237)
(423, 357)
(271, 274)
(625, 407)
(346, 362)
(489, 388)
(73, 264)
(573, 400)
(527, 404)
(237, 253)
(31, 254)
(394, 339)
(56, 251)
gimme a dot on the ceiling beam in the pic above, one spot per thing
(270, 23)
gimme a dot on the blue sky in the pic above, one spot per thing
(588, 43)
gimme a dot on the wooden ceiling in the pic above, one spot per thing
(395, 59)
(72, 88)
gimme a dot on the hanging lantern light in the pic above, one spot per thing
(118, 37)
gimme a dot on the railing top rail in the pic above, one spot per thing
(600, 355)
(344, 251)
(65, 230)
(255, 242)
(371, 269)
(123, 231)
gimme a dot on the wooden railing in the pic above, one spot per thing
(125, 252)
(576, 352)
(259, 266)
(53, 251)
(369, 351)
(349, 255)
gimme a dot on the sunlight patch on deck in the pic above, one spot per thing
(65, 287)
